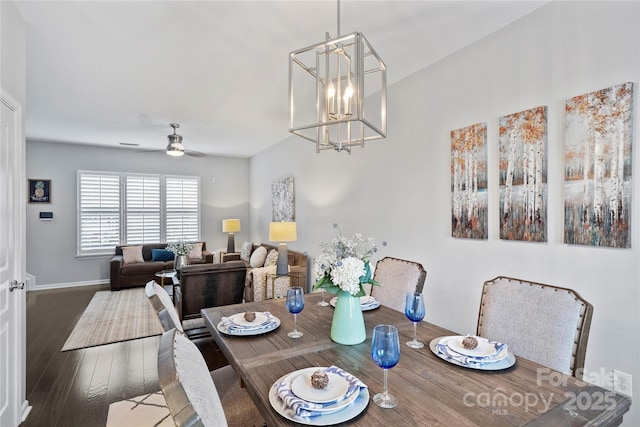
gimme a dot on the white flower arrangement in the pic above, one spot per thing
(180, 247)
(344, 264)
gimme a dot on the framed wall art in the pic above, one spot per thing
(597, 167)
(282, 200)
(469, 182)
(39, 191)
(522, 145)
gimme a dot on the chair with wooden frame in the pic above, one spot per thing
(397, 277)
(546, 324)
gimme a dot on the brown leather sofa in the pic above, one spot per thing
(139, 273)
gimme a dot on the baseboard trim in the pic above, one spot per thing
(69, 285)
(26, 409)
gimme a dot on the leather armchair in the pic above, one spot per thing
(208, 285)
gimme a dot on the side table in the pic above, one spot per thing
(229, 256)
(167, 274)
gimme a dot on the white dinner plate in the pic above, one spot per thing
(484, 348)
(485, 359)
(239, 320)
(335, 389)
(338, 416)
(505, 363)
(366, 303)
(275, 323)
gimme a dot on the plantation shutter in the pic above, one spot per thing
(142, 212)
(182, 208)
(99, 212)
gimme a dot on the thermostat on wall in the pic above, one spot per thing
(46, 215)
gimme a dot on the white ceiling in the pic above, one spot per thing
(111, 72)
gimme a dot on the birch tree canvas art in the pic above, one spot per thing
(523, 175)
(597, 167)
(282, 200)
(469, 182)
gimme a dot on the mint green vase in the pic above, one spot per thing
(347, 326)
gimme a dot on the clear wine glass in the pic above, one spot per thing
(414, 309)
(323, 303)
(295, 304)
(385, 351)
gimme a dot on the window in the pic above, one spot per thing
(99, 212)
(142, 219)
(117, 209)
(182, 208)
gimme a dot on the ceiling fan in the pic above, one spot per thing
(176, 148)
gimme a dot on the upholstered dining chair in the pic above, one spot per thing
(397, 277)
(166, 311)
(197, 397)
(546, 324)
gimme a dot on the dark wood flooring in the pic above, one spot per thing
(75, 388)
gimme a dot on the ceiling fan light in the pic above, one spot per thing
(174, 151)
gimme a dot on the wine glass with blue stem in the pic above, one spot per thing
(295, 304)
(414, 310)
(385, 352)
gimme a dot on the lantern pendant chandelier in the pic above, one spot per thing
(338, 92)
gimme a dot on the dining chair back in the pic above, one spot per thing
(162, 303)
(197, 397)
(546, 324)
(397, 277)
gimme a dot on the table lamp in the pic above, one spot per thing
(231, 226)
(282, 232)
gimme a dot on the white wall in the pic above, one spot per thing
(398, 189)
(51, 245)
(13, 49)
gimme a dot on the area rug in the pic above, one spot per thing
(149, 410)
(113, 317)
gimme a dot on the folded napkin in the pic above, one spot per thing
(233, 328)
(368, 301)
(469, 360)
(304, 408)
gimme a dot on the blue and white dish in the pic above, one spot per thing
(485, 348)
(237, 325)
(501, 360)
(366, 303)
(355, 400)
(334, 391)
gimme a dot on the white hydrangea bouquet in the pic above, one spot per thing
(344, 264)
(180, 247)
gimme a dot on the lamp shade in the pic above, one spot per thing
(230, 225)
(283, 232)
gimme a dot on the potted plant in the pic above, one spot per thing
(182, 250)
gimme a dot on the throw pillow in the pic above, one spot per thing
(257, 257)
(196, 252)
(271, 259)
(132, 254)
(245, 252)
(162, 255)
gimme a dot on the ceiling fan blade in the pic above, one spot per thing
(195, 153)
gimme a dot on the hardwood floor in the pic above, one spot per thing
(75, 388)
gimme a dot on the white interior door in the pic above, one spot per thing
(13, 404)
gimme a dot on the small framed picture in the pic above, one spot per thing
(39, 191)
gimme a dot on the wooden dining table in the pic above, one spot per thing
(431, 391)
